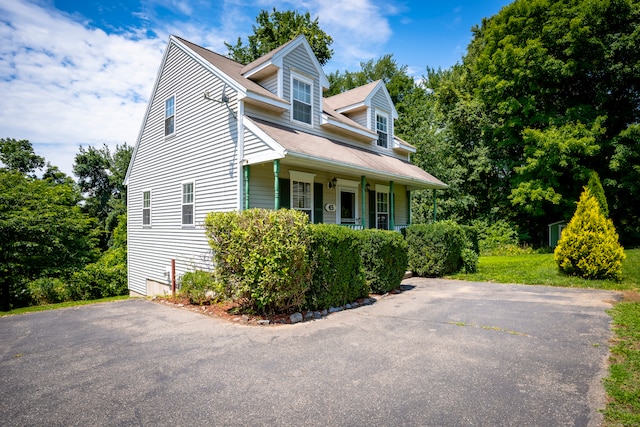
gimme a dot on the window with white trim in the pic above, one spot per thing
(383, 130)
(170, 116)
(188, 190)
(301, 99)
(146, 208)
(382, 207)
(302, 192)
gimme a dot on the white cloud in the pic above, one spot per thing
(64, 84)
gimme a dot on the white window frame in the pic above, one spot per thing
(306, 178)
(352, 187)
(383, 189)
(192, 203)
(167, 117)
(146, 208)
(385, 116)
(308, 81)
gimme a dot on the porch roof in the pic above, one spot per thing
(332, 153)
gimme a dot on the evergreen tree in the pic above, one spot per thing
(595, 187)
(589, 245)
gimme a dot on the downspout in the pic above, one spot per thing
(276, 184)
(435, 206)
(392, 210)
(247, 172)
(409, 213)
(240, 152)
(363, 183)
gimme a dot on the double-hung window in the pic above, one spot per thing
(301, 99)
(382, 207)
(383, 130)
(187, 203)
(170, 116)
(302, 192)
(146, 208)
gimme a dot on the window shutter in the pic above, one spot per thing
(285, 193)
(317, 202)
(372, 209)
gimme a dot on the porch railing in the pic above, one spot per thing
(397, 228)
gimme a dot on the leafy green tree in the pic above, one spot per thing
(550, 91)
(589, 245)
(398, 83)
(101, 176)
(273, 29)
(44, 234)
(18, 155)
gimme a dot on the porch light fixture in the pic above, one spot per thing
(367, 187)
(332, 183)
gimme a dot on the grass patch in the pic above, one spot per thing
(541, 269)
(623, 383)
(46, 307)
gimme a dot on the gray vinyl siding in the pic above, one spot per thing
(299, 60)
(360, 117)
(254, 146)
(270, 83)
(202, 150)
(381, 103)
(400, 193)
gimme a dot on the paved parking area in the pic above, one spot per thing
(442, 353)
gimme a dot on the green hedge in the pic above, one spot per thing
(438, 249)
(338, 275)
(201, 287)
(384, 256)
(261, 257)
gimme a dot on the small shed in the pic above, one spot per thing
(555, 232)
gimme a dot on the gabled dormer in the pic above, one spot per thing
(372, 108)
(292, 72)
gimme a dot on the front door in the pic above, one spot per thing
(347, 207)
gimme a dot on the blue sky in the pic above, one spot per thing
(80, 72)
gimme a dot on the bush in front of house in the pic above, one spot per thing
(436, 249)
(200, 287)
(384, 257)
(261, 257)
(337, 270)
(589, 245)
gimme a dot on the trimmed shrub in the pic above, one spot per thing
(261, 257)
(201, 287)
(338, 276)
(384, 257)
(435, 249)
(47, 290)
(589, 246)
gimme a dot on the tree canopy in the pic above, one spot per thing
(18, 155)
(549, 91)
(274, 29)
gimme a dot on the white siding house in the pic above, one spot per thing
(221, 136)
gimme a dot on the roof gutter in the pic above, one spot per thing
(401, 179)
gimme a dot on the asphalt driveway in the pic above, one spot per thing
(443, 353)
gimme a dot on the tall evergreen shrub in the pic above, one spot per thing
(589, 246)
(595, 187)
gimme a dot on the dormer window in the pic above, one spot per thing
(301, 99)
(383, 130)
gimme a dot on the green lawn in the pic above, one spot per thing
(623, 383)
(540, 269)
(45, 307)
